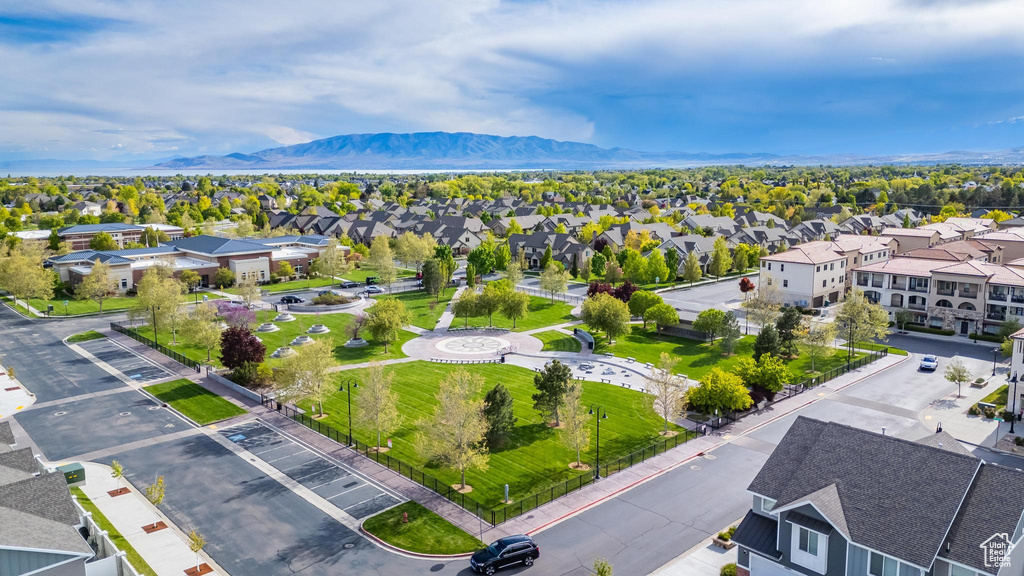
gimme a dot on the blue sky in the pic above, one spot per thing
(121, 81)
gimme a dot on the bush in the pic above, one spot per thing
(331, 299)
(979, 381)
(727, 533)
(926, 330)
(974, 410)
(728, 570)
(1018, 441)
(1007, 415)
(990, 413)
(988, 338)
(252, 375)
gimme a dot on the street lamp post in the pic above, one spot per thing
(995, 354)
(1013, 412)
(600, 414)
(849, 351)
(347, 385)
(156, 339)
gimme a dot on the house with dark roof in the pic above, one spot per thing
(563, 248)
(840, 501)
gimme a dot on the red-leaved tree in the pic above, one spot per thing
(239, 346)
(746, 286)
(625, 291)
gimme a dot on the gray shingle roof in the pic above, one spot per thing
(758, 533)
(92, 228)
(992, 506)
(92, 256)
(895, 496)
(217, 245)
(6, 433)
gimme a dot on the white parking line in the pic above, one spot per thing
(351, 489)
(288, 456)
(297, 466)
(299, 479)
(331, 482)
(363, 502)
(283, 445)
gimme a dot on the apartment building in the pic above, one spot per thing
(816, 274)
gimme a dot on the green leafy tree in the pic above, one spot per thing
(788, 326)
(672, 264)
(657, 267)
(767, 342)
(663, 315)
(377, 409)
(958, 373)
(383, 261)
(465, 306)
(903, 317)
(597, 264)
(602, 567)
(482, 258)
(739, 257)
(769, 373)
(433, 279)
(634, 267)
(691, 268)
(385, 320)
(545, 260)
(155, 493)
(720, 392)
(443, 255)
(502, 256)
(470, 276)
(500, 418)
(721, 261)
(98, 285)
(551, 384)
(490, 300)
(730, 333)
(641, 301)
(554, 279)
(606, 313)
(455, 435)
(515, 305)
(190, 279)
(223, 278)
(859, 320)
(816, 342)
(102, 242)
(710, 322)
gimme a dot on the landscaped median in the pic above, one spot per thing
(134, 558)
(555, 341)
(197, 403)
(85, 337)
(424, 533)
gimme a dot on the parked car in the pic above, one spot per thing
(292, 299)
(929, 363)
(326, 292)
(508, 551)
(372, 280)
(349, 284)
(373, 290)
(242, 304)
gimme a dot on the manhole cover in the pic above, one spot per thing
(349, 545)
(125, 414)
(153, 408)
(60, 413)
(710, 457)
(694, 467)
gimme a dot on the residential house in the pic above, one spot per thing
(615, 236)
(912, 238)
(816, 230)
(87, 208)
(701, 246)
(527, 222)
(840, 501)
(863, 224)
(563, 248)
(770, 239)
(818, 273)
(718, 224)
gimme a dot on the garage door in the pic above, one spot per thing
(762, 567)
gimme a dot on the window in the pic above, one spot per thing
(124, 282)
(785, 283)
(823, 283)
(767, 504)
(782, 267)
(961, 571)
(810, 549)
(882, 565)
(808, 542)
(832, 266)
(817, 268)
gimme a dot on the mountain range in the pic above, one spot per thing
(468, 151)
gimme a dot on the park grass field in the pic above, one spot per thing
(697, 358)
(192, 400)
(425, 533)
(555, 341)
(543, 312)
(421, 305)
(535, 456)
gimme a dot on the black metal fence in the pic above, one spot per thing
(134, 335)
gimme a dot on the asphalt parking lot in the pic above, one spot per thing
(333, 481)
(124, 360)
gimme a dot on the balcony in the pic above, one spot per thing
(917, 306)
(947, 292)
(1018, 298)
(971, 295)
(998, 316)
(876, 283)
(898, 286)
(999, 296)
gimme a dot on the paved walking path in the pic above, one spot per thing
(445, 321)
(166, 551)
(951, 412)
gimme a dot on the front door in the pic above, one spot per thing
(965, 329)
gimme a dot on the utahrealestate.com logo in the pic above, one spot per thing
(997, 550)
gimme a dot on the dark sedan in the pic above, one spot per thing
(292, 299)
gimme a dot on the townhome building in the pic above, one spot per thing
(615, 236)
(526, 222)
(840, 501)
(717, 224)
(912, 238)
(564, 247)
(770, 239)
(701, 246)
(817, 274)
(79, 236)
(816, 230)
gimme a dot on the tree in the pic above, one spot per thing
(710, 322)
(502, 256)
(606, 313)
(515, 305)
(490, 300)
(412, 250)
(249, 289)
(377, 410)
(767, 342)
(284, 270)
(203, 328)
(102, 242)
(155, 494)
(443, 255)
(691, 268)
(117, 472)
(788, 324)
(455, 435)
(498, 412)
(597, 264)
(859, 320)
(768, 374)
(720, 392)
(634, 267)
(763, 306)
(663, 315)
(514, 273)
(612, 272)
(306, 375)
(554, 279)
(624, 291)
(239, 346)
(470, 276)
(433, 279)
(672, 264)
(385, 320)
(721, 261)
(97, 285)
(816, 341)
(514, 227)
(551, 383)
(195, 544)
(602, 567)
(641, 301)
(730, 333)
(746, 286)
(191, 279)
(576, 432)
(382, 261)
(22, 273)
(586, 270)
(739, 257)
(657, 268)
(482, 258)
(331, 262)
(465, 306)
(668, 389)
(958, 373)
(546, 258)
(223, 278)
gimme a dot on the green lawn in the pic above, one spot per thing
(543, 312)
(363, 272)
(134, 558)
(288, 331)
(85, 336)
(697, 358)
(999, 397)
(555, 341)
(192, 400)
(290, 285)
(535, 456)
(425, 533)
(875, 346)
(115, 304)
(425, 313)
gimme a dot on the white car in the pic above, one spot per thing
(929, 363)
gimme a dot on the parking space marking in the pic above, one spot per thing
(347, 491)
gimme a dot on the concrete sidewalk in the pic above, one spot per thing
(704, 559)
(13, 396)
(166, 551)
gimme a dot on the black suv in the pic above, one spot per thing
(349, 284)
(508, 551)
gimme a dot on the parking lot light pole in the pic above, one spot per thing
(995, 354)
(156, 339)
(1013, 412)
(600, 414)
(347, 385)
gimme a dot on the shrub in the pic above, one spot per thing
(727, 533)
(926, 330)
(1018, 441)
(990, 413)
(979, 381)
(974, 410)
(1007, 415)
(728, 570)
(988, 338)
(331, 299)
(252, 375)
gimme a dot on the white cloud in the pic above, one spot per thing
(205, 77)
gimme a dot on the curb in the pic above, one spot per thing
(396, 549)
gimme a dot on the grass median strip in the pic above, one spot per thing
(192, 400)
(134, 558)
(425, 533)
(85, 337)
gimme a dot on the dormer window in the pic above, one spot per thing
(767, 504)
(810, 549)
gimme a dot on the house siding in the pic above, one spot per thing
(836, 563)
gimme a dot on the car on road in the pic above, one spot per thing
(349, 284)
(929, 363)
(292, 299)
(373, 290)
(326, 292)
(508, 551)
(241, 304)
(372, 280)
